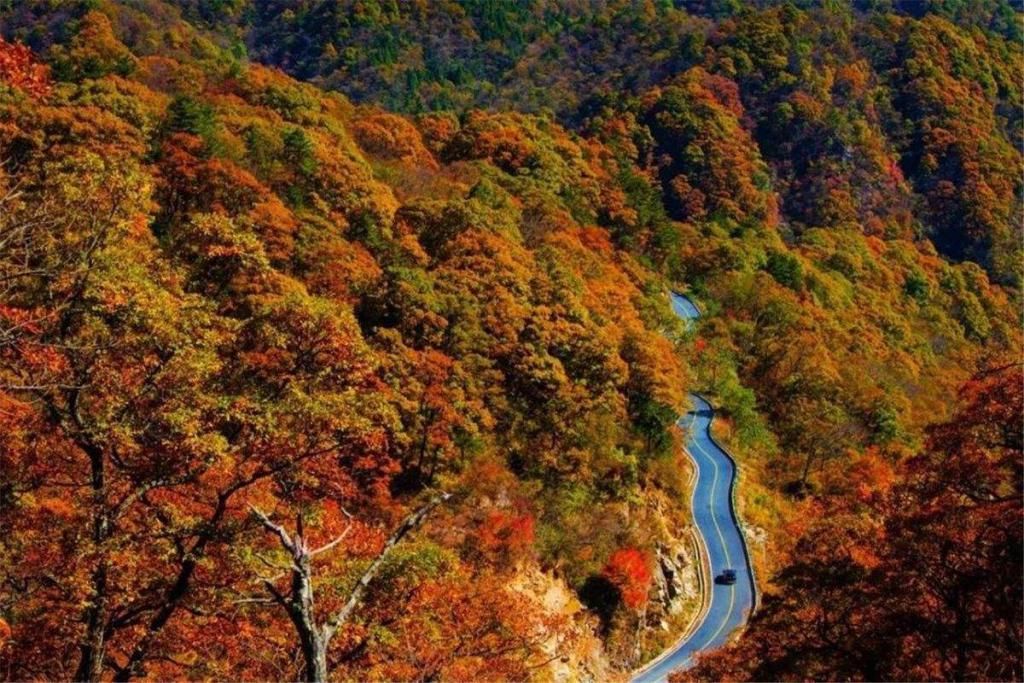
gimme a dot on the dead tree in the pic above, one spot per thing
(297, 600)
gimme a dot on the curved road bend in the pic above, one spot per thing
(716, 522)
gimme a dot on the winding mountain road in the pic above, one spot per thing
(716, 522)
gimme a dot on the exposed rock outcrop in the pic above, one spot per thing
(675, 580)
(577, 653)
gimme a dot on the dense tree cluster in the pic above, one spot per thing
(226, 292)
(259, 342)
(866, 112)
(906, 574)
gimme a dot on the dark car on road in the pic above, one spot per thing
(727, 577)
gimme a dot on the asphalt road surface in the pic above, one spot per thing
(716, 522)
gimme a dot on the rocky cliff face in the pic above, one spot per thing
(675, 593)
(574, 644)
(576, 653)
(676, 580)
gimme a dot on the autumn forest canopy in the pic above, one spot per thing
(335, 341)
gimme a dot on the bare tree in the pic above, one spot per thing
(297, 599)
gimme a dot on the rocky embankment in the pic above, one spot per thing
(676, 581)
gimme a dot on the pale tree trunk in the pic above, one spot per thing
(314, 647)
(180, 585)
(298, 602)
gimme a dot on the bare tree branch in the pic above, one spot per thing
(407, 525)
(286, 540)
(298, 602)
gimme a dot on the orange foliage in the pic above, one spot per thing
(392, 137)
(228, 288)
(504, 531)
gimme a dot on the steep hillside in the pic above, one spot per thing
(230, 299)
(227, 291)
(865, 114)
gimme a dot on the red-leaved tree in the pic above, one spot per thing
(630, 571)
(19, 69)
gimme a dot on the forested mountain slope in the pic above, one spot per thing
(225, 290)
(841, 99)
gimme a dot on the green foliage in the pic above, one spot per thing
(653, 420)
(740, 404)
(186, 114)
(885, 423)
(298, 151)
(916, 286)
(786, 269)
